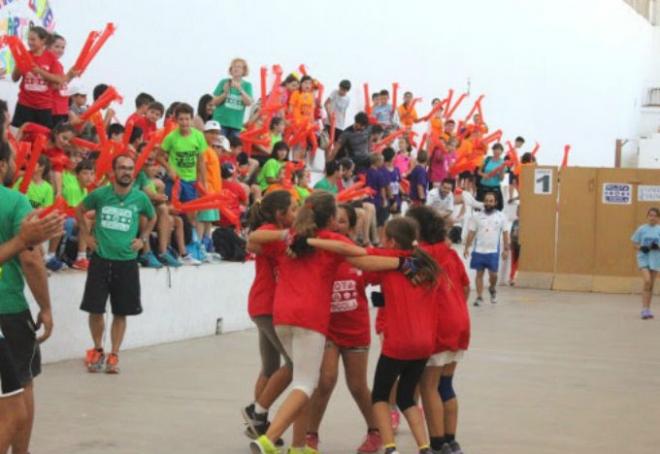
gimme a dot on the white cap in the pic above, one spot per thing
(222, 141)
(212, 125)
(76, 89)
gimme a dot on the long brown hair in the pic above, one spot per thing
(266, 211)
(404, 231)
(316, 213)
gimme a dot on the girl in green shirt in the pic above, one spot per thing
(40, 192)
(270, 172)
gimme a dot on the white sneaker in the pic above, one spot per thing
(189, 260)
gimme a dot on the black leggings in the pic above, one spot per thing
(407, 371)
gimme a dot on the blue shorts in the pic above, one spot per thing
(188, 190)
(650, 261)
(480, 261)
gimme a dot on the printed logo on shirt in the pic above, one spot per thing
(34, 82)
(186, 159)
(344, 296)
(234, 102)
(115, 218)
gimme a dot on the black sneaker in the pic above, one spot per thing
(493, 295)
(478, 301)
(455, 447)
(256, 422)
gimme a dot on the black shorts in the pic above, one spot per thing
(119, 279)
(24, 114)
(513, 178)
(382, 213)
(57, 119)
(21, 337)
(9, 384)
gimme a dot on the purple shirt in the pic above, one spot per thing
(418, 177)
(376, 180)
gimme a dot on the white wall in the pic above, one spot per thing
(183, 304)
(556, 71)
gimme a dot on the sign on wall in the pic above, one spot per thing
(617, 193)
(542, 181)
(647, 193)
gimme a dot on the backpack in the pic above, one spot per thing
(229, 245)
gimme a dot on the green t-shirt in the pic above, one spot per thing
(231, 112)
(14, 206)
(141, 181)
(325, 185)
(274, 138)
(271, 169)
(117, 220)
(40, 195)
(71, 190)
(184, 152)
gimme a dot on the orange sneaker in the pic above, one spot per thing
(94, 360)
(112, 364)
(81, 264)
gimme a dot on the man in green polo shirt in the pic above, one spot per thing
(113, 269)
(16, 322)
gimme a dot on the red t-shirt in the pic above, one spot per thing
(349, 308)
(304, 286)
(453, 316)
(61, 100)
(58, 159)
(410, 318)
(139, 121)
(148, 129)
(240, 197)
(262, 292)
(35, 92)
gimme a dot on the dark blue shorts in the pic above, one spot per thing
(188, 190)
(481, 262)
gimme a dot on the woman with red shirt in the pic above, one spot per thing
(35, 97)
(453, 333)
(276, 211)
(57, 45)
(349, 338)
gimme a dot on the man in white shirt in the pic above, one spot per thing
(486, 229)
(337, 104)
(441, 199)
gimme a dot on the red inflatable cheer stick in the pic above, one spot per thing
(564, 161)
(85, 144)
(495, 136)
(395, 95)
(367, 99)
(302, 69)
(447, 101)
(97, 121)
(22, 153)
(89, 42)
(154, 141)
(405, 185)
(319, 94)
(263, 74)
(34, 128)
(108, 96)
(380, 145)
(59, 205)
(126, 138)
(535, 149)
(475, 108)
(176, 193)
(22, 57)
(433, 111)
(96, 47)
(450, 111)
(423, 141)
(39, 145)
(289, 169)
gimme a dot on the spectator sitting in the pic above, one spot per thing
(271, 171)
(329, 181)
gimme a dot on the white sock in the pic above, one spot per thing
(81, 256)
(259, 409)
(49, 256)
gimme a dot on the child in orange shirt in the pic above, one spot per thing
(407, 112)
(301, 103)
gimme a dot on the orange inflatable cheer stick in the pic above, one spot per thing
(154, 141)
(564, 161)
(535, 149)
(475, 108)
(433, 111)
(84, 60)
(59, 205)
(512, 156)
(289, 169)
(176, 193)
(37, 149)
(450, 111)
(22, 57)
(447, 101)
(89, 42)
(356, 195)
(380, 145)
(319, 94)
(495, 136)
(367, 99)
(104, 161)
(423, 141)
(263, 74)
(395, 95)
(303, 70)
(108, 96)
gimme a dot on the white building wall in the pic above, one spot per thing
(556, 71)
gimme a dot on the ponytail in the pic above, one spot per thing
(428, 270)
(404, 232)
(265, 212)
(316, 213)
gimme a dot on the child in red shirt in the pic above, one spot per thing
(453, 334)
(349, 338)
(58, 145)
(275, 212)
(142, 103)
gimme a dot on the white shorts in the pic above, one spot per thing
(443, 358)
(305, 348)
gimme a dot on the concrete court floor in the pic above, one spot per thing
(547, 373)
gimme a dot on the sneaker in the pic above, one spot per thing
(168, 259)
(372, 443)
(312, 441)
(149, 260)
(81, 264)
(493, 295)
(427, 451)
(55, 264)
(256, 422)
(646, 314)
(478, 301)
(395, 418)
(263, 445)
(94, 360)
(112, 364)
(189, 260)
(446, 449)
(455, 447)
(390, 451)
(207, 242)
